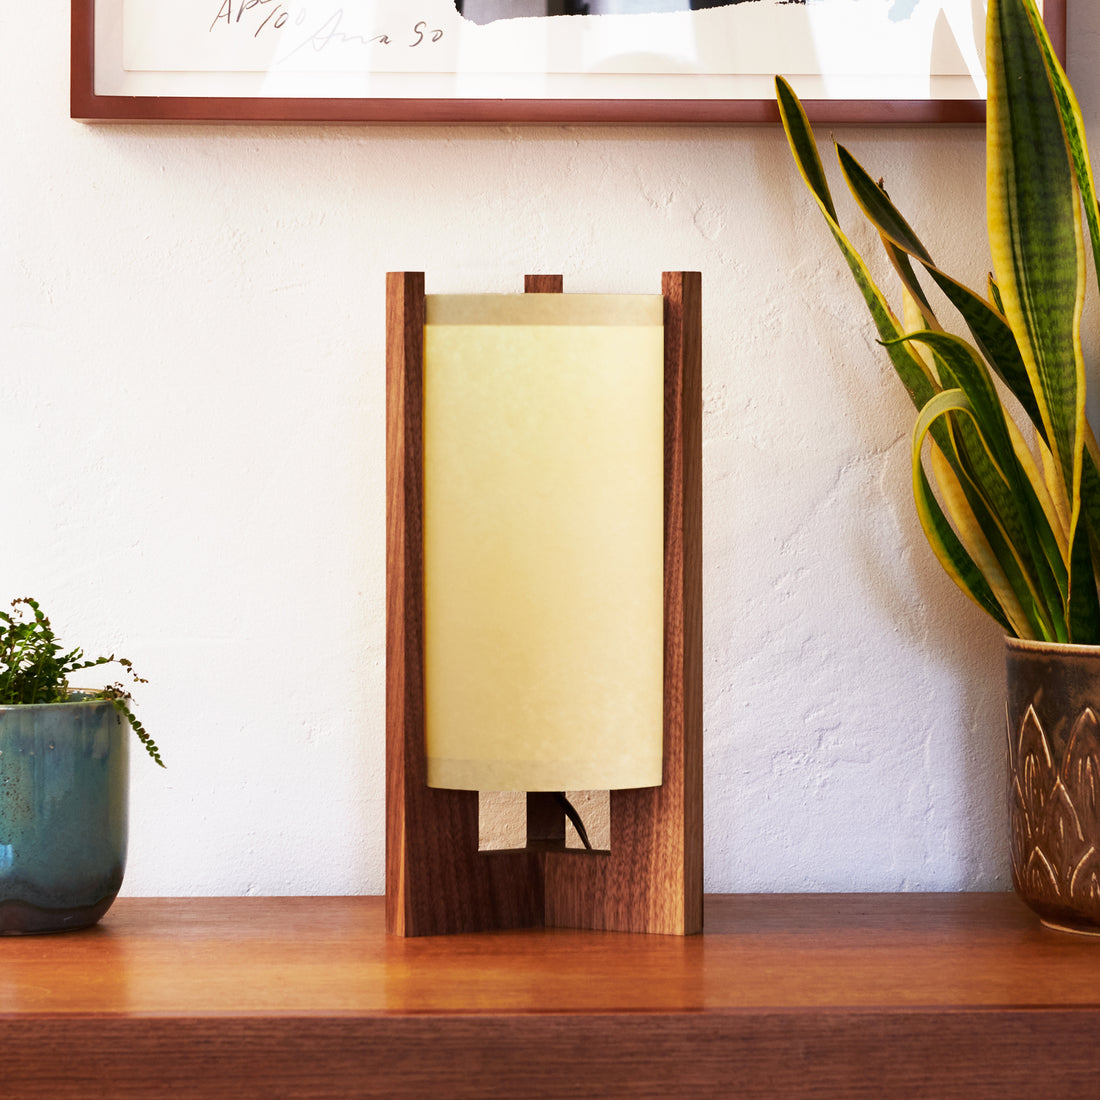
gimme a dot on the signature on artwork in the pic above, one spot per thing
(316, 32)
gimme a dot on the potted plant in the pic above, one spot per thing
(1001, 433)
(64, 778)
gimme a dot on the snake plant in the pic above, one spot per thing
(1006, 469)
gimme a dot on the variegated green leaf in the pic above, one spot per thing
(1083, 609)
(1035, 228)
(995, 294)
(910, 369)
(1073, 127)
(1090, 485)
(949, 550)
(1024, 543)
(1056, 523)
(987, 324)
(989, 460)
(972, 535)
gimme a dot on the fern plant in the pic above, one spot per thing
(35, 668)
(1001, 430)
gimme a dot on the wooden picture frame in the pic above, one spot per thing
(437, 879)
(103, 88)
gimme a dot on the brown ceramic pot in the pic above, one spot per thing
(1054, 780)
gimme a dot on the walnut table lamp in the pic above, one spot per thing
(543, 603)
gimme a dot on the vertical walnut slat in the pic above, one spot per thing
(652, 878)
(543, 284)
(436, 880)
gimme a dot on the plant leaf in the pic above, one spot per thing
(1035, 229)
(989, 459)
(952, 555)
(1073, 126)
(911, 370)
(972, 535)
(987, 324)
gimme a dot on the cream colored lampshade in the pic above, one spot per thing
(543, 541)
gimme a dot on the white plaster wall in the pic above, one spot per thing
(191, 457)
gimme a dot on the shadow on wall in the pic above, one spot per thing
(487, 11)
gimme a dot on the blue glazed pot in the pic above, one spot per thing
(64, 786)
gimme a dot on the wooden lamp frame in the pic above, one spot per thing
(651, 880)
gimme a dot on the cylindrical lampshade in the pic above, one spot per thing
(543, 541)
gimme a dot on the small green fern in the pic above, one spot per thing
(34, 668)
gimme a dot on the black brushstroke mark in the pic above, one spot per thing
(635, 7)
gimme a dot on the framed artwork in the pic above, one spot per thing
(548, 61)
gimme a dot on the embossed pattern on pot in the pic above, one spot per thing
(1054, 780)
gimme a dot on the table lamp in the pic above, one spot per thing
(543, 603)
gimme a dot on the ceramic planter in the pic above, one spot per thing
(1054, 780)
(64, 781)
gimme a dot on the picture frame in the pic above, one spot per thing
(424, 62)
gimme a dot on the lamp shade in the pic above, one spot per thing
(543, 541)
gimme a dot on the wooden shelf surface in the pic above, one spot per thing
(783, 995)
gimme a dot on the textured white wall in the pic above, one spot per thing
(191, 456)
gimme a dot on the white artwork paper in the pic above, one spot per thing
(835, 49)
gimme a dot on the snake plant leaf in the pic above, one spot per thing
(1073, 125)
(1090, 498)
(995, 294)
(969, 499)
(912, 316)
(874, 201)
(991, 460)
(898, 239)
(1020, 537)
(957, 503)
(1090, 485)
(1057, 490)
(1077, 144)
(1056, 521)
(1035, 230)
(986, 322)
(1005, 564)
(1090, 513)
(1083, 609)
(949, 550)
(996, 341)
(910, 369)
(965, 370)
(803, 145)
(900, 261)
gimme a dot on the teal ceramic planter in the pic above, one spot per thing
(64, 787)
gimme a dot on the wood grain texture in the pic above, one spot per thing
(543, 284)
(87, 107)
(779, 1056)
(85, 104)
(82, 100)
(331, 956)
(652, 878)
(436, 879)
(404, 570)
(945, 996)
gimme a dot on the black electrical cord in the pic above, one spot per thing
(574, 817)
